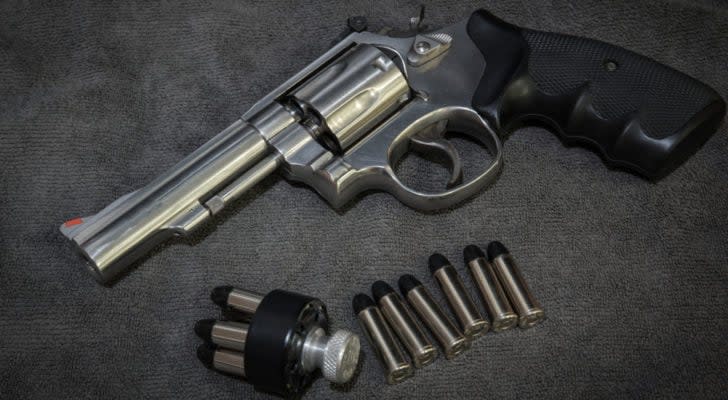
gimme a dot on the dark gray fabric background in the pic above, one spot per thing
(98, 98)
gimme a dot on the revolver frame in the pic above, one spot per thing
(339, 125)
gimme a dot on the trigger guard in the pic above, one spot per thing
(424, 143)
(460, 119)
(369, 164)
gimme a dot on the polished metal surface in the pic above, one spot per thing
(229, 334)
(229, 361)
(363, 95)
(170, 205)
(494, 298)
(470, 319)
(393, 360)
(529, 310)
(336, 355)
(244, 301)
(427, 47)
(242, 184)
(355, 93)
(443, 89)
(403, 323)
(447, 334)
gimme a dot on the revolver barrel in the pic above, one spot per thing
(172, 204)
(305, 129)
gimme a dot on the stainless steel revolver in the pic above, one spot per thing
(344, 121)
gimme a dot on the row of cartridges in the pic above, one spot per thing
(504, 292)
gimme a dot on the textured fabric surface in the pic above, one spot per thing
(98, 98)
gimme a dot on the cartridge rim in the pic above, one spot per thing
(476, 329)
(531, 319)
(400, 374)
(457, 348)
(508, 321)
(426, 357)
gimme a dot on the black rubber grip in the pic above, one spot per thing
(636, 113)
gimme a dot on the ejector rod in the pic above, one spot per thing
(246, 181)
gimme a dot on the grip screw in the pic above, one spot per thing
(422, 47)
(610, 65)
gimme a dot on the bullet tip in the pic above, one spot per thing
(220, 295)
(203, 329)
(381, 289)
(437, 261)
(496, 248)
(472, 252)
(206, 354)
(408, 282)
(360, 302)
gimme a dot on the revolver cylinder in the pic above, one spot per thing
(354, 94)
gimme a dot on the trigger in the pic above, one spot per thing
(426, 141)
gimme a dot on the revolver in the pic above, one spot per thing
(342, 123)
